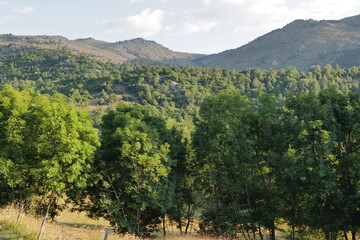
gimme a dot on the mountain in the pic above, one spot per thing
(136, 50)
(301, 43)
(141, 50)
(9, 41)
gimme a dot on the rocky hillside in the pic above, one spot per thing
(136, 50)
(301, 43)
(142, 51)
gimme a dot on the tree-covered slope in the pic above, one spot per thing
(143, 51)
(301, 43)
(172, 91)
(12, 42)
(136, 50)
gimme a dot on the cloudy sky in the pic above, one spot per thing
(199, 26)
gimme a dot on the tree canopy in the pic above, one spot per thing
(47, 146)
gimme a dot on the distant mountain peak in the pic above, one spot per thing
(85, 39)
(300, 23)
(139, 39)
(301, 43)
(354, 20)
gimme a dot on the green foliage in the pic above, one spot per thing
(133, 164)
(258, 163)
(175, 92)
(263, 145)
(46, 145)
(223, 157)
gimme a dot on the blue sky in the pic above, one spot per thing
(198, 26)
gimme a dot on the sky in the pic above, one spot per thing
(196, 26)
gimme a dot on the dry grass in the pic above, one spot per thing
(75, 226)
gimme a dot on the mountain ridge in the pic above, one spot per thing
(300, 43)
(135, 50)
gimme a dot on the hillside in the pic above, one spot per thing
(171, 91)
(142, 51)
(301, 43)
(9, 41)
(136, 50)
(300, 141)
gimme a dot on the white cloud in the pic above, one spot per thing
(262, 15)
(3, 3)
(147, 23)
(23, 10)
(135, 1)
(326, 9)
(198, 26)
(238, 14)
(5, 19)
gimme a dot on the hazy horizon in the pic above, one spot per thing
(200, 26)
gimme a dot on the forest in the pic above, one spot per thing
(239, 153)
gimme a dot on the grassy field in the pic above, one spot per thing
(68, 226)
(77, 226)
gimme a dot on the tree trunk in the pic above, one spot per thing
(327, 236)
(243, 233)
(254, 231)
(45, 217)
(20, 211)
(10, 210)
(272, 232)
(138, 222)
(179, 218)
(353, 235)
(345, 235)
(164, 225)
(260, 233)
(188, 219)
(247, 232)
(293, 232)
(106, 233)
(42, 226)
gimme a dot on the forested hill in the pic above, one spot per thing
(140, 50)
(302, 43)
(136, 50)
(171, 91)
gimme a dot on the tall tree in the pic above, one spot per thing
(315, 192)
(47, 146)
(133, 165)
(223, 161)
(265, 142)
(342, 119)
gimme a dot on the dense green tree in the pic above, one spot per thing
(185, 201)
(46, 149)
(253, 160)
(265, 139)
(223, 159)
(305, 178)
(175, 91)
(320, 175)
(342, 119)
(133, 165)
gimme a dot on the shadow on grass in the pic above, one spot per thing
(86, 226)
